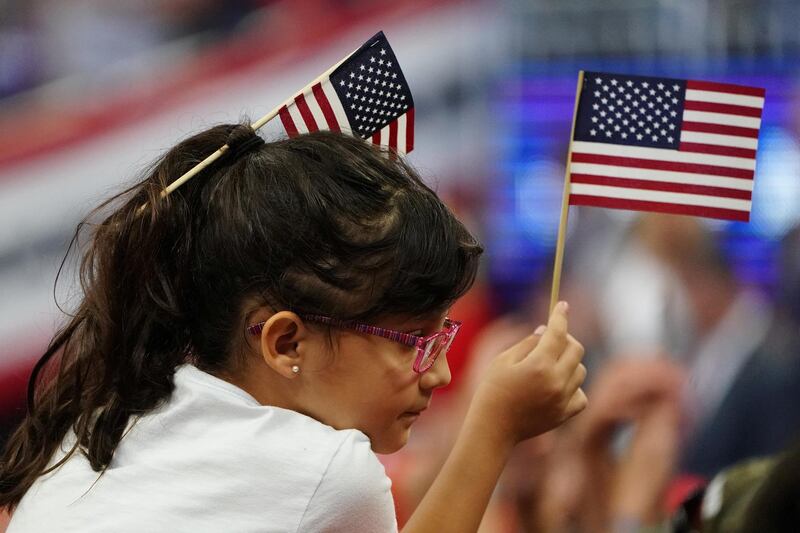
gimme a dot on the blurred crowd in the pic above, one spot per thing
(46, 40)
(693, 378)
(43, 41)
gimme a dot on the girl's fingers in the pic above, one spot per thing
(576, 404)
(576, 379)
(571, 357)
(520, 351)
(554, 338)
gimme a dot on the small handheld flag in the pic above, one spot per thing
(378, 105)
(660, 144)
(365, 94)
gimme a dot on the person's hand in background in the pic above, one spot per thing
(627, 486)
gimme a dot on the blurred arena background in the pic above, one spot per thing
(92, 91)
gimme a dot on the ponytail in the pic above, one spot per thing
(117, 355)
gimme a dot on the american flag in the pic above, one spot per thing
(667, 145)
(366, 95)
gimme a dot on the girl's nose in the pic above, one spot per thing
(437, 376)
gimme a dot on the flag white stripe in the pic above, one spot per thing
(336, 105)
(402, 121)
(316, 110)
(661, 154)
(660, 196)
(724, 98)
(721, 140)
(299, 123)
(722, 118)
(666, 176)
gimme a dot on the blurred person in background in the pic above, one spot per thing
(763, 494)
(739, 445)
(641, 303)
(617, 484)
(743, 367)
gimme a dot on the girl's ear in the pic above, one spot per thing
(280, 336)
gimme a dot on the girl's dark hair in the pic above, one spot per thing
(323, 222)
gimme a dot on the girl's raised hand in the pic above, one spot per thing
(529, 389)
(534, 386)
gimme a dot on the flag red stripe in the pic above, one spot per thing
(288, 123)
(717, 150)
(305, 112)
(409, 130)
(705, 190)
(720, 129)
(393, 135)
(728, 109)
(725, 88)
(641, 205)
(694, 168)
(376, 137)
(327, 110)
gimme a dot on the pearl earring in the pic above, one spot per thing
(296, 369)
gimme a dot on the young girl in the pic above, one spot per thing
(247, 344)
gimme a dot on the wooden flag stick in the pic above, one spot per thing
(562, 225)
(224, 148)
(255, 125)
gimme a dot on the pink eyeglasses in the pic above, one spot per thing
(428, 348)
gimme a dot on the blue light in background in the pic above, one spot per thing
(534, 106)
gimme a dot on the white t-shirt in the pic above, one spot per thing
(212, 459)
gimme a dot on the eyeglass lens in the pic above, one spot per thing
(434, 347)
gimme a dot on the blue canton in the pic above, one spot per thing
(371, 87)
(630, 110)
